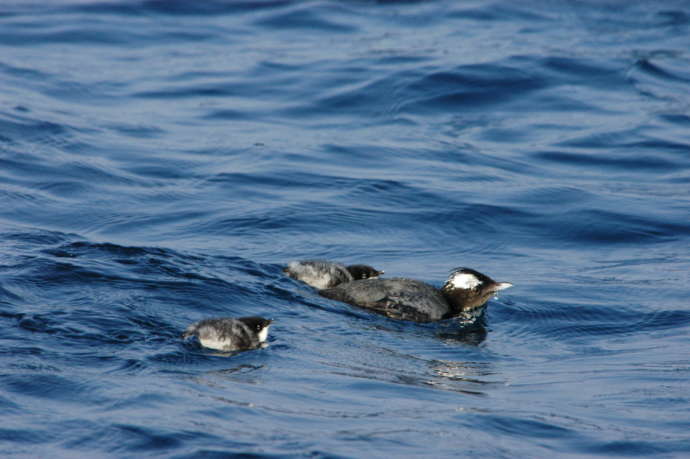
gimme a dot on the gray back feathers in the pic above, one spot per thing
(398, 298)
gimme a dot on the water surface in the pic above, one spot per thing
(161, 161)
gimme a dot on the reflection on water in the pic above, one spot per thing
(473, 334)
(466, 377)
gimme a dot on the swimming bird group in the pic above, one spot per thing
(463, 296)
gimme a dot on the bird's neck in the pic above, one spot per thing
(461, 300)
(456, 299)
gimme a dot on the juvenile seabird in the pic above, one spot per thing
(226, 334)
(322, 274)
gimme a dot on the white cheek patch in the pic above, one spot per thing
(263, 334)
(465, 281)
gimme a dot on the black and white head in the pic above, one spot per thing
(259, 325)
(468, 289)
(363, 272)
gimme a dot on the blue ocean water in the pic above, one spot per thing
(160, 161)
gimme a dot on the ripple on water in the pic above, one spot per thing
(578, 323)
(161, 161)
(53, 387)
